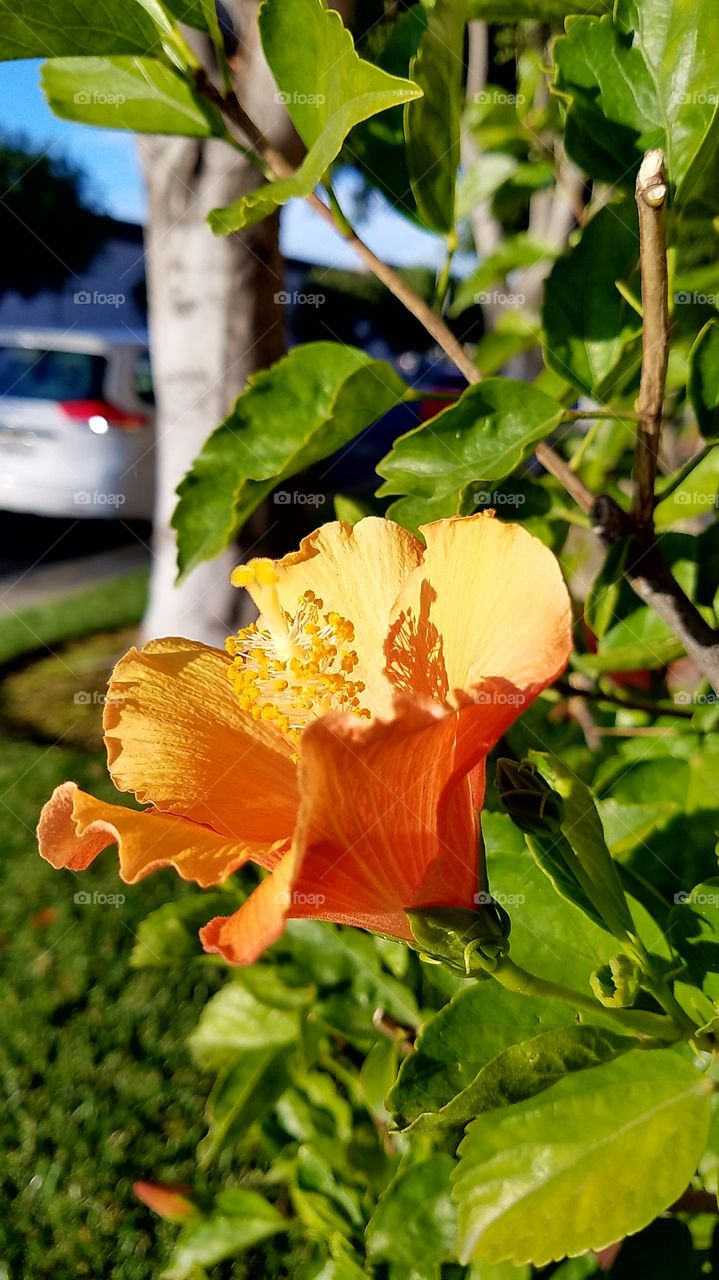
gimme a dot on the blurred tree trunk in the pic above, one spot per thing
(213, 321)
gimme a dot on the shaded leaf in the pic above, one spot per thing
(703, 383)
(242, 1095)
(479, 1023)
(432, 121)
(611, 99)
(588, 324)
(414, 1226)
(528, 1068)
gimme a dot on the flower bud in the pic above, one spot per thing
(451, 935)
(615, 984)
(530, 802)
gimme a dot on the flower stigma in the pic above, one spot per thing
(286, 668)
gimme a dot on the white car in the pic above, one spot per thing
(76, 425)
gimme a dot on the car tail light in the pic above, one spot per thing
(429, 408)
(100, 415)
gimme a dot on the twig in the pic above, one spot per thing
(658, 588)
(651, 194)
(631, 703)
(277, 166)
(652, 580)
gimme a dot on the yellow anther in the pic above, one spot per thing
(289, 668)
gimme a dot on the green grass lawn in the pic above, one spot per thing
(98, 1088)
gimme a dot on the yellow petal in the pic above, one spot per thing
(177, 739)
(357, 572)
(74, 827)
(487, 602)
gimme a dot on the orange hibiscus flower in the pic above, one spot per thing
(340, 743)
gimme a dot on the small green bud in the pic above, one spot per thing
(469, 941)
(616, 984)
(530, 802)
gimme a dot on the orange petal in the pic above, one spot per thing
(242, 937)
(74, 827)
(177, 739)
(487, 602)
(387, 817)
(357, 572)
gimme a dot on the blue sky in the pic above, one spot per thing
(109, 159)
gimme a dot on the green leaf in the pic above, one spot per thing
(693, 492)
(602, 602)
(169, 935)
(581, 826)
(703, 384)
(584, 1163)
(528, 1068)
(641, 81)
(588, 324)
(377, 1074)
(303, 408)
(414, 1226)
(68, 28)
(611, 99)
(432, 122)
(242, 1095)
(138, 94)
(241, 1220)
(481, 438)
(550, 936)
(237, 1019)
(678, 42)
(477, 1024)
(191, 12)
(327, 89)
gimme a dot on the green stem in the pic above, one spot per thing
(655, 1025)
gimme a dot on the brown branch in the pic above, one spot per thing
(651, 194)
(278, 167)
(633, 702)
(652, 580)
(654, 584)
